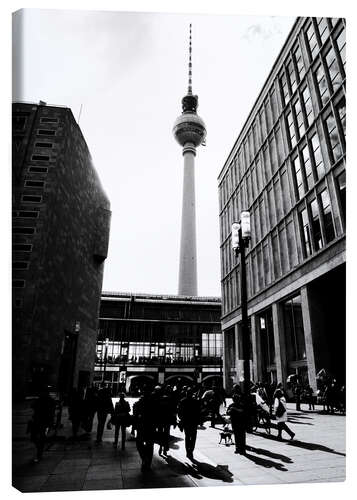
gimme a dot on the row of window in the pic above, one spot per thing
(282, 249)
(299, 115)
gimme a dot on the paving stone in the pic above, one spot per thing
(29, 484)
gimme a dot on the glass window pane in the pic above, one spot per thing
(327, 215)
(316, 226)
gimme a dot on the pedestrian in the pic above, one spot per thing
(281, 415)
(166, 417)
(297, 393)
(310, 397)
(104, 407)
(90, 408)
(145, 417)
(42, 420)
(237, 413)
(121, 420)
(189, 412)
(212, 399)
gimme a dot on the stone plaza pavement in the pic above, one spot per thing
(317, 454)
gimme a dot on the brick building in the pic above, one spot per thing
(61, 221)
(149, 339)
(287, 167)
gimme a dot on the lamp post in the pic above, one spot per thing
(240, 240)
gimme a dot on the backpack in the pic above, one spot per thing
(280, 410)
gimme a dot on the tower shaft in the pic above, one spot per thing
(188, 252)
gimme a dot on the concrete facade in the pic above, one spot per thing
(61, 219)
(287, 167)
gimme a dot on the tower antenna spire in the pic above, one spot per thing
(189, 92)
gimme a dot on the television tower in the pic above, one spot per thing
(189, 131)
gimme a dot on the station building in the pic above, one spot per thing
(287, 168)
(147, 339)
(61, 219)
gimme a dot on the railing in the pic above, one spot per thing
(160, 361)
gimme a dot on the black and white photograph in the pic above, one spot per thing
(178, 249)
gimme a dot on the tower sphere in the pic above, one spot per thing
(189, 127)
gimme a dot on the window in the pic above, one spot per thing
(23, 230)
(299, 118)
(341, 185)
(18, 303)
(34, 183)
(307, 167)
(18, 283)
(298, 178)
(327, 215)
(341, 108)
(323, 29)
(341, 43)
(333, 69)
(299, 63)
(294, 329)
(274, 104)
(26, 214)
(38, 170)
(43, 145)
(305, 227)
(19, 121)
(40, 158)
(291, 128)
(22, 247)
(20, 265)
(292, 77)
(48, 120)
(308, 105)
(316, 226)
(322, 84)
(268, 114)
(311, 39)
(284, 89)
(334, 140)
(319, 164)
(31, 198)
(46, 132)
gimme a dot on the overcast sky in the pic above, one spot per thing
(129, 73)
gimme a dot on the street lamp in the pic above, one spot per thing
(240, 240)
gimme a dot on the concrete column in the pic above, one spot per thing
(161, 377)
(279, 343)
(256, 348)
(309, 346)
(226, 362)
(188, 252)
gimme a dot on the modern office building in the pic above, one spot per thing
(287, 168)
(147, 339)
(61, 221)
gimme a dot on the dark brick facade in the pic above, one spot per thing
(61, 219)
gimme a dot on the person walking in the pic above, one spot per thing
(189, 412)
(90, 408)
(166, 417)
(104, 407)
(237, 413)
(145, 418)
(281, 415)
(42, 420)
(75, 411)
(120, 419)
(297, 393)
(310, 397)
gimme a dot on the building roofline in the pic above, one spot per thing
(150, 296)
(298, 19)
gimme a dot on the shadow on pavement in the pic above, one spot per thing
(265, 462)
(270, 454)
(181, 468)
(314, 447)
(218, 472)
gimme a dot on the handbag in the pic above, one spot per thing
(280, 410)
(109, 425)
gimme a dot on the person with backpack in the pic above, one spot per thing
(281, 415)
